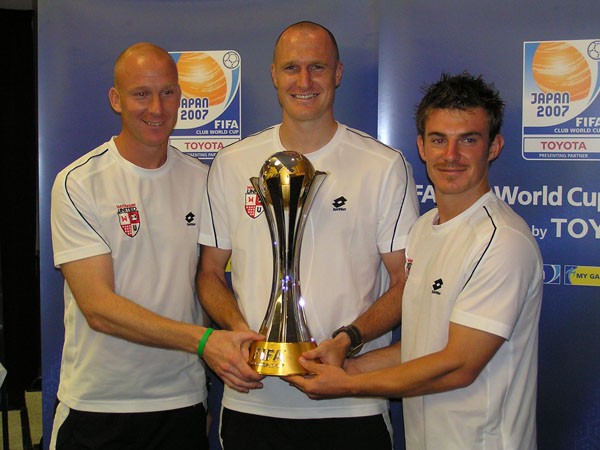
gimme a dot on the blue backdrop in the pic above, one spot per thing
(390, 50)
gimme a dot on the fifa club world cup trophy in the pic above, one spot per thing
(286, 187)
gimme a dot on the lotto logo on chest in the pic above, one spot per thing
(129, 219)
(252, 204)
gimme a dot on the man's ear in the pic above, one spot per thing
(420, 146)
(115, 99)
(496, 147)
(339, 71)
(274, 75)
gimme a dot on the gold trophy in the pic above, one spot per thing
(286, 187)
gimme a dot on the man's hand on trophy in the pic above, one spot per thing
(330, 351)
(323, 381)
(226, 352)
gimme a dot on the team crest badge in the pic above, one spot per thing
(129, 219)
(253, 205)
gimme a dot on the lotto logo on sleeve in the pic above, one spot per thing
(582, 276)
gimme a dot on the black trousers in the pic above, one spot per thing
(181, 429)
(241, 431)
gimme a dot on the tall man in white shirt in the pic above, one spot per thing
(357, 225)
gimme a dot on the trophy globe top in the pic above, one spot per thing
(284, 166)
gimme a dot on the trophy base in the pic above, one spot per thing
(278, 358)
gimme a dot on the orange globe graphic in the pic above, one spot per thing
(200, 76)
(560, 67)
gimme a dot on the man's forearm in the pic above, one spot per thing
(219, 303)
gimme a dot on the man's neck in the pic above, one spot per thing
(450, 206)
(141, 156)
(306, 137)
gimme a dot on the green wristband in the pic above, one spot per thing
(202, 343)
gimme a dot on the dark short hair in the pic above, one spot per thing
(309, 24)
(463, 91)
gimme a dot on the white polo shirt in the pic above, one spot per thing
(148, 221)
(364, 208)
(483, 270)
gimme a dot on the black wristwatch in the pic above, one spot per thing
(356, 340)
